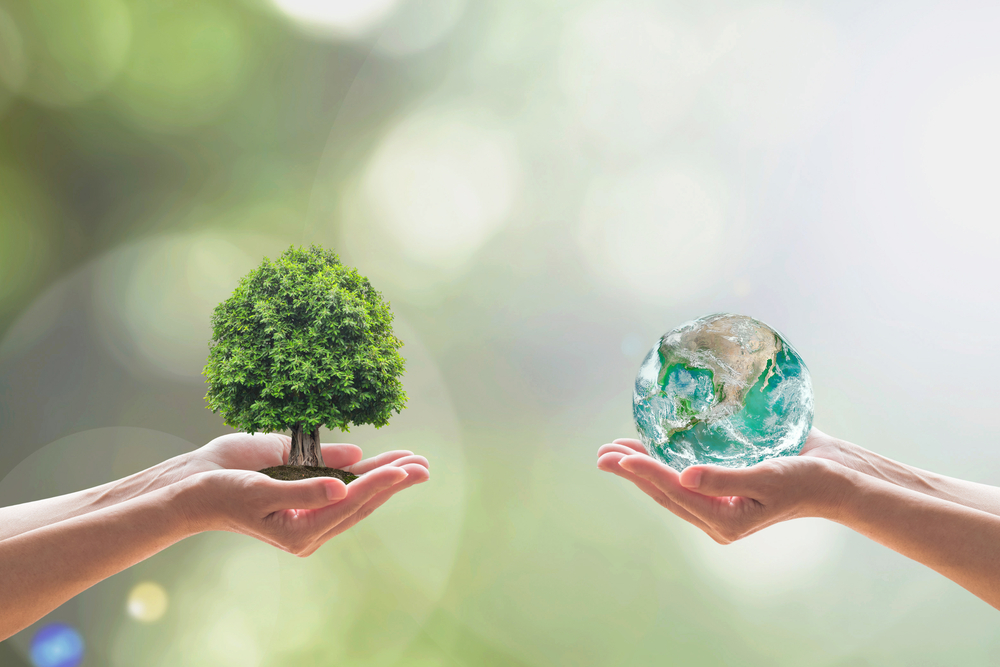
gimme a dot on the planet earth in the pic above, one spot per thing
(723, 389)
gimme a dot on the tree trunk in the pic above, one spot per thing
(305, 448)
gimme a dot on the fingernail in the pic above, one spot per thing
(691, 479)
(333, 492)
(621, 463)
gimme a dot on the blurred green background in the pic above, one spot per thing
(541, 189)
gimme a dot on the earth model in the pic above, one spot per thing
(725, 390)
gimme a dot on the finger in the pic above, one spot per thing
(414, 459)
(340, 455)
(719, 481)
(374, 462)
(613, 447)
(302, 494)
(667, 480)
(416, 474)
(609, 463)
(631, 443)
(360, 492)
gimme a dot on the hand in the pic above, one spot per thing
(730, 504)
(296, 516)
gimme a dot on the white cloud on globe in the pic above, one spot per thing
(441, 183)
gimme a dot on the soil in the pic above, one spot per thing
(306, 472)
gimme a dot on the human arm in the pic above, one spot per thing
(235, 451)
(960, 542)
(45, 566)
(971, 494)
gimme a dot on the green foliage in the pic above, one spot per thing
(304, 340)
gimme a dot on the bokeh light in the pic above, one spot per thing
(225, 600)
(72, 51)
(630, 71)
(154, 300)
(658, 231)
(57, 645)
(540, 189)
(343, 18)
(417, 25)
(147, 602)
(440, 184)
(187, 61)
(781, 75)
(770, 564)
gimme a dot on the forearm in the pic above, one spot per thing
(25, 517)
(959, 542)
(42, 568)
(970, 494)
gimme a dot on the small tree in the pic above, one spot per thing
(303, 342)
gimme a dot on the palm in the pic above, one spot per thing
(259, 506)
(242, 451)
(761, 495)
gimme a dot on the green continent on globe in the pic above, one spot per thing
(723, 389)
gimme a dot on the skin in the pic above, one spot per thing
(51, 550)
(950, 525)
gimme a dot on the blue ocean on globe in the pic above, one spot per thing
(723, 389)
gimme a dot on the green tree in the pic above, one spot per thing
(303, 342)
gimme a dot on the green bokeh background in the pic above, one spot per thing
(540, 189)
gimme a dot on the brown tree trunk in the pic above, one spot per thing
(305, 448)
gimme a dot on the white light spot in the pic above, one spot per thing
(630, 73)
(147, 602)
(441, 184)
(771, 562)
(417, 25)
(657, 231)
(348, 18)
(155, 299)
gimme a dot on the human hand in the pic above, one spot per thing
(243, 451)
(296, 516)
(729, 504)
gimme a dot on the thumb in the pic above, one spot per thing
(719, 481)
(305, 494)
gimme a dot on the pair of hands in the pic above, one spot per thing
(730, 504)
(226, 492)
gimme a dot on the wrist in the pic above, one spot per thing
(839, 483)
(192, 499)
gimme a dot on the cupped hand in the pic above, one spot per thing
(296, 516)
(729, 504)
(242, 451)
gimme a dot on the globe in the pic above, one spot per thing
(725, 390)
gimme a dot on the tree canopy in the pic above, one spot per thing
(304, 340)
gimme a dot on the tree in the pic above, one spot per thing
(304, 342)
